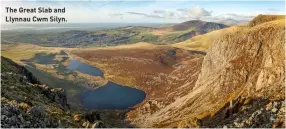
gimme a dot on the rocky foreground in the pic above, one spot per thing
(25, 103)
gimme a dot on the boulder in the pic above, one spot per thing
(37, 111)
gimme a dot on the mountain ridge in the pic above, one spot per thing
(241, 63)
(115, 36)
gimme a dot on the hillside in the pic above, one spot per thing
(25, 103)
(204, 41)
(151, 68)
(241, 83)
(260, 19)
(113, 36)
(232, 22)
(202, 26)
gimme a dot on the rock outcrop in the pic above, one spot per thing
(25, 103)
(247, 62)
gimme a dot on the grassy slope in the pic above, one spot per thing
(203, 42)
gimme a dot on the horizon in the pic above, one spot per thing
(150, 11)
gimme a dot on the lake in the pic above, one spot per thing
(109, 96)
(84, 68)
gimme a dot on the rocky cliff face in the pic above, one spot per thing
(26, 103)
(246, 63)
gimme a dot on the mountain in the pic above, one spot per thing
(241, 83)
(204, 41)
(231, 22)
(265, 18)
(114, 36)
(198, 25)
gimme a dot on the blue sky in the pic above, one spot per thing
(153, 11)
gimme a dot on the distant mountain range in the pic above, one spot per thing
(231, 22)
(199, 25)
(115, 36)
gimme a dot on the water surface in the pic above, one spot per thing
(112, 96)
(109, 96)
(84, 68)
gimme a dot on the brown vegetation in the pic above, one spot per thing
(265, 18)
(163, 72)
(247, 62)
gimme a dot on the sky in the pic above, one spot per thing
(150, 11)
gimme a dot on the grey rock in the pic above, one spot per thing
(21, 118)
(59, 96)
(259, 112)
(37, 111)
(272, 118)
(3, 117)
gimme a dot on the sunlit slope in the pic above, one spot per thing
(246, 63)
(203, 42)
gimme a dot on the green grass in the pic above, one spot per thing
(175, 36)
(19, 54)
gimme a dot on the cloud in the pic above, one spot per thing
(159, 11)
(193, 13)
(196, 12)
(182, 10)
(199, 12)
(166, 14)
(274, 10)
(146, 15)
(116, 15)
(233, 16)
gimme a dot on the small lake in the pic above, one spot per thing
(84, 68)
(109, 96)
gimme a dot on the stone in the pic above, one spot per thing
(76, 117)
(275, 104)
(21, 118)
(94, 125)
(259, 112)
(239, 125)
(28, 122)
(13, 119)
(37, 111)
(3, 117)
(59, 96)
(268, 106)
(274, 110)
(85, 124)
(282, 109)
(248, 121)
(272, 118)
